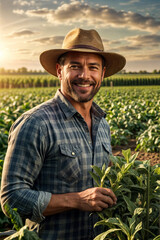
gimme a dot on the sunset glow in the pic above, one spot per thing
(131, 28)
(4, 54)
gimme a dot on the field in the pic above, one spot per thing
(133, 114)
(45, 80)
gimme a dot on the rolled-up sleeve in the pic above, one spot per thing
(22, 165)
(40, 206)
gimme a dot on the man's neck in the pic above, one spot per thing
(83, 108)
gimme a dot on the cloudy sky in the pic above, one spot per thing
(128, 27)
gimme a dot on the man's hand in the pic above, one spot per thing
(96, 199)
(92, 199)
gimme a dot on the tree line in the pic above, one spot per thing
(21, 71)
(25, 71)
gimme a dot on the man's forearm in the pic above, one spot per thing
(92, 199)
(61, 202)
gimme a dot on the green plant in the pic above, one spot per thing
(120, 136)
(23, 232)
(149, 140)
(137, 187)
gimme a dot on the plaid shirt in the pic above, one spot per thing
(50, 151)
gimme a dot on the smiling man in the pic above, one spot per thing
(51, 147)
(81, 76)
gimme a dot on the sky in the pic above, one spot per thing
(127, 27)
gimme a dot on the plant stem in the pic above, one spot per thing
(148, 200)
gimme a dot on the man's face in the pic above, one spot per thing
(81, 76)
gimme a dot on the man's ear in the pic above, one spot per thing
(59, 71)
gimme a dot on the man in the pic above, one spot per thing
(52, 147)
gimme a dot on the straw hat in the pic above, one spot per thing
(80, 40)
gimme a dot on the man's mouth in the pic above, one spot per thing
(84, 85)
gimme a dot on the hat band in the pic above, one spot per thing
(86, 46)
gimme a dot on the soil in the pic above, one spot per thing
(153, 157)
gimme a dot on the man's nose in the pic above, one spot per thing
(84, 73)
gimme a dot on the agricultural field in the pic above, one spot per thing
(45, 80)
(133, 114)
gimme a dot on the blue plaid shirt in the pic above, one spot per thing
(50, 151)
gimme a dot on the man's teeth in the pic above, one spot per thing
(83, 85)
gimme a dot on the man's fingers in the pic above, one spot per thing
(108, 200)
(96, 199)
(104, 205)
(108, 192)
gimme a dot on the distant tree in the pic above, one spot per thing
(22, 70)
(155, 71)
(143, 72)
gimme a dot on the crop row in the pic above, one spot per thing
(131, 113)
(28, 81)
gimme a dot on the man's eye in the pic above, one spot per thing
(94, 68)
(74, 66)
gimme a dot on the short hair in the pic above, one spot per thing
(62, 59)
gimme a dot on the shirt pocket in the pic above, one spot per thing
(106, 151)
(69, 163)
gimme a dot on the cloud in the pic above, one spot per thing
(18, 11)
(152, 40)
(154, 56)
(39, 12)
(23, 51)
(146, 56)
(23, 3)
(128, 48)
(130, 2)
(55, 40)
(102, 16)
(21, 33)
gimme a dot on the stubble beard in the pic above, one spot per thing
(82, 99)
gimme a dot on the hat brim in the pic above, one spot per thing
(114, 62)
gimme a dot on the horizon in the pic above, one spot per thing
(130, 28)
(20, 71)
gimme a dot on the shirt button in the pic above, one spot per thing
(73, 153)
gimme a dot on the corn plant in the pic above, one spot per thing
(137, 187)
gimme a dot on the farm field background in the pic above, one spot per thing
(133, 114)
(45, 80)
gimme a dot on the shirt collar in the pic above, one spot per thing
(69, 110)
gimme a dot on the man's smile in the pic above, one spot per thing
(83, 85)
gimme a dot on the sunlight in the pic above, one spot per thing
(2, 54)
